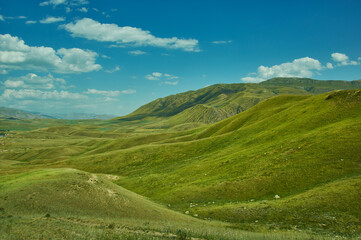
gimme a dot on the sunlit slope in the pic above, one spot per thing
(332, 206)
(217, 102)
(297, 147)
(281, 146)
(71, 204)
(69, 192)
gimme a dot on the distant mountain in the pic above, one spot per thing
(10, 113)
(313, 86)
(220, 101)
(78, 116)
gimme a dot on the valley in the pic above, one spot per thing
(275, 160)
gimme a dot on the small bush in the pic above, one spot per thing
(181, 235)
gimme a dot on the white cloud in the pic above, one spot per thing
(18, 17)
(342, 59)
(301, 67)
(13, 84)
(64, 2)
(33, 81)
(53, 2)
(222, 42)
(329, 65)
(2, 18)
(171, 83)
(169, 76)
(102, 92)
(339, 57)
(137, 52)
(52, 20)
(15, 54)
(30, 22)
(83, 9)
(78, 60)
(116, 69)
(128, 91)
(151, 77)
(10, 94)
(105, 56)
(130, 36)
(159, 76)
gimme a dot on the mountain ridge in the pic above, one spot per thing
(230, 99)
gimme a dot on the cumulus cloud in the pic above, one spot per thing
(222, 42)
(342, 59)
(329, 65)
(30, 22)
(301, 67)
(33, 81)
(129, 36)
(15, 54)
(49, 20)
(103, 92)
(137, 52)
(10, 94)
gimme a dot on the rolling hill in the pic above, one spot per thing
(286, 146)
(290, 163)
(220, 101)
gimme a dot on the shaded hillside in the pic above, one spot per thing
(220, 101)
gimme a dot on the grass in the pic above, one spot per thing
(302, 148)
(67, 203)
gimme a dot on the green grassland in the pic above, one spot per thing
(288, 167)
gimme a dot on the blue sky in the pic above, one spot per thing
(64, 56)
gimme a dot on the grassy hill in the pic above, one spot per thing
(218, 102)
(284, 146)
(290, 163)
(72, 204)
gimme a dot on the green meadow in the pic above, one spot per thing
(276, 160)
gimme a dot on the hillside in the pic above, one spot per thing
(220, 101)
(286, 146)
(289, 163)
(10, 113)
